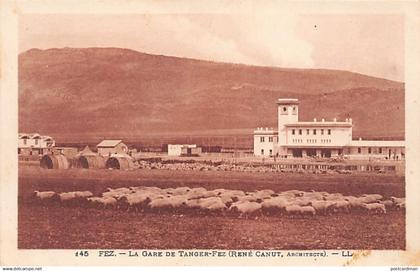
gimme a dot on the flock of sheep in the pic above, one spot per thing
(224, 201)
(208, 166)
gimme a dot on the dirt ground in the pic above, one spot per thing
(47, 227)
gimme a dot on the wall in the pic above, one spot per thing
(340, 136)
(266, 145)
(174, 150)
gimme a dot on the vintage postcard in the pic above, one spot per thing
(210, 133)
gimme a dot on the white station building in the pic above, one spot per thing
(319, 138)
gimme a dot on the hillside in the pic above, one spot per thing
(87, 94)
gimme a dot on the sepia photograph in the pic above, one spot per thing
(214, 131)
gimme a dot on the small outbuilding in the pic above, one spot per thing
(54, 161)
(183, 150)
(109, 147)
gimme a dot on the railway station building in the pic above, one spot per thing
(318, 138)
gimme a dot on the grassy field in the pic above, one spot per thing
(77, 227)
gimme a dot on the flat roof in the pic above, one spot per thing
(287, 101)
(109, 143)
(315, 146)
(319, 123)
(377, 143)
(265, 131)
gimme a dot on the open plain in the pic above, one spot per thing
(59, 227)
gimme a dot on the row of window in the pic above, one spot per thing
(25, 141)
(270, 139)
(295, 140)
(308, 131)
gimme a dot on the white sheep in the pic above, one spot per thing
(342, 206)
(83, 194)
(178, 201)
(263, 194)
(107, 202)
(136, 201)
(307, 210)
(323, 207)
(45, 195)
(212, 204)
(293, 209)
(334, 196)
(276, 204)
(160, 203)
(376, 208)
(245, 207)
(180, 191)
(67, 196)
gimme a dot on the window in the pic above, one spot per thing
(271, 152)
(25, 141)
(293, 131)
(369, 150)
(380, 150)
(329, 131)
(262, 139)
(359, 150)
(262, 151)
(300, 131)
(314, 131)
(36, 141)
(284, 109)
(307, 131)
(270, 139)
(322, 131)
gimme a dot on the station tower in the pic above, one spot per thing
(288, 112)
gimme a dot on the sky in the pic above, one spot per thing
(367, 44)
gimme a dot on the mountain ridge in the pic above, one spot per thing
(98, 92)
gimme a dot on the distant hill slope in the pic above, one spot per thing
(83, 94)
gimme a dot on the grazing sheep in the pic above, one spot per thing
(212, 204)
(355, 203)
(160, 203)
(389, 204)
(177, 201)
(368, 199)
(274, 205)
(135, 201)
(248, 198)
(376, 208)
(342, 206)
(67, 196)
(307, 210)
(193, 203)
(400, 205)
(293, 209)
(323, 207)
(334, 196)
(45, 195)
(266, 193)
(313, 196)
(83, 194)
(226, 199)
(245, 208)
(107, 202)
(300, 201)
(296, 193)
(396, 200)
